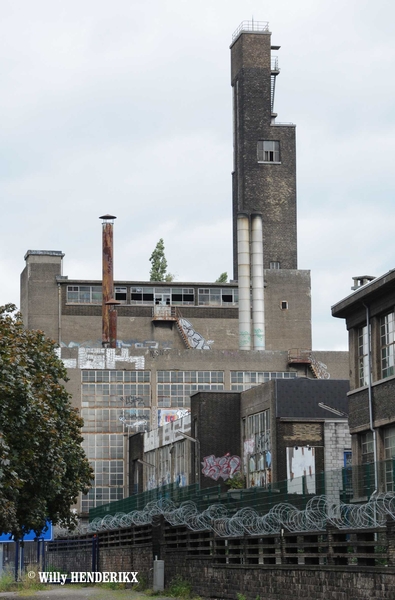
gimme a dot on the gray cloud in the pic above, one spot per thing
(126, 108)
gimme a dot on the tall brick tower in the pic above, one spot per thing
(264, 169)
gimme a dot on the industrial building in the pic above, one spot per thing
(136, 351)
(370, 316)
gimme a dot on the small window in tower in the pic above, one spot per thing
(284, 305)
(268, 151)
(275, 265)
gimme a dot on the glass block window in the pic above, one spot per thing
(268, 151)
(84, 294)
(387, 343)
(244, 380)
(218, 296)
(176, 387)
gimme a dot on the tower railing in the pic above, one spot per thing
(251, 26)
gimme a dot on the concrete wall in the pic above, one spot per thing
(39, 291)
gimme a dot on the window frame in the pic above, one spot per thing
(268, 152)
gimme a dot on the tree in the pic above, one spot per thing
(42, 464)
(223, 278)
(159, 264)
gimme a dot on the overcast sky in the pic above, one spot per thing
(124, 107)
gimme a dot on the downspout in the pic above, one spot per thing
(376, 479)
(59, 315)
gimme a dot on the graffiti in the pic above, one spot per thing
(244, 339)
(132, 400)
(224, 466)
(263, 443)
(167, 416)
(319, 368)
(194, 339)
(145, 344)
(135, 419)
(106, 358)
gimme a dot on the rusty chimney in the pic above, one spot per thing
(109, 313)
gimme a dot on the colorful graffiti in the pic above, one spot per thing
(224, 466)
(169, 415)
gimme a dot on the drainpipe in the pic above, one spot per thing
(243, 261)
(258, 314)
(376, 479)
(59, 315)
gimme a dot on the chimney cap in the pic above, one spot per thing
(108, 217)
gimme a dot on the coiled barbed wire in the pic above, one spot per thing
(318, 513)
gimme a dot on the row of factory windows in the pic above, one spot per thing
(383, 331)
(106, 389)
(165, 296)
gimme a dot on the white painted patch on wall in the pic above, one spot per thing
(101, 358)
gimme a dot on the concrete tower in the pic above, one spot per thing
(264, 169)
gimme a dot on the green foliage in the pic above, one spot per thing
(158, 263)
(7, 582)
(236, 482)
(223, 278)
(42, 464)
(179, 588)
(112, 585)
(241, 597)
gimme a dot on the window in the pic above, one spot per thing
(258, 449)
(113, 403)
(387, 342)
(284, 305)
(244, 380)
(367, 447)
(176, 387)
(218, 296)
(161, 295)
(120, 294)
(363, 363)
(84, 294)
(275, 265)
(268, 151)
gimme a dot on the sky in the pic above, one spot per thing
(124, 107)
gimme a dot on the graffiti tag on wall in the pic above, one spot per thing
(195, 340)
(224, 466)
(101, 358)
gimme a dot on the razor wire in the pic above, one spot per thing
(319, 512)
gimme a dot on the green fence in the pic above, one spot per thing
(351, 484)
